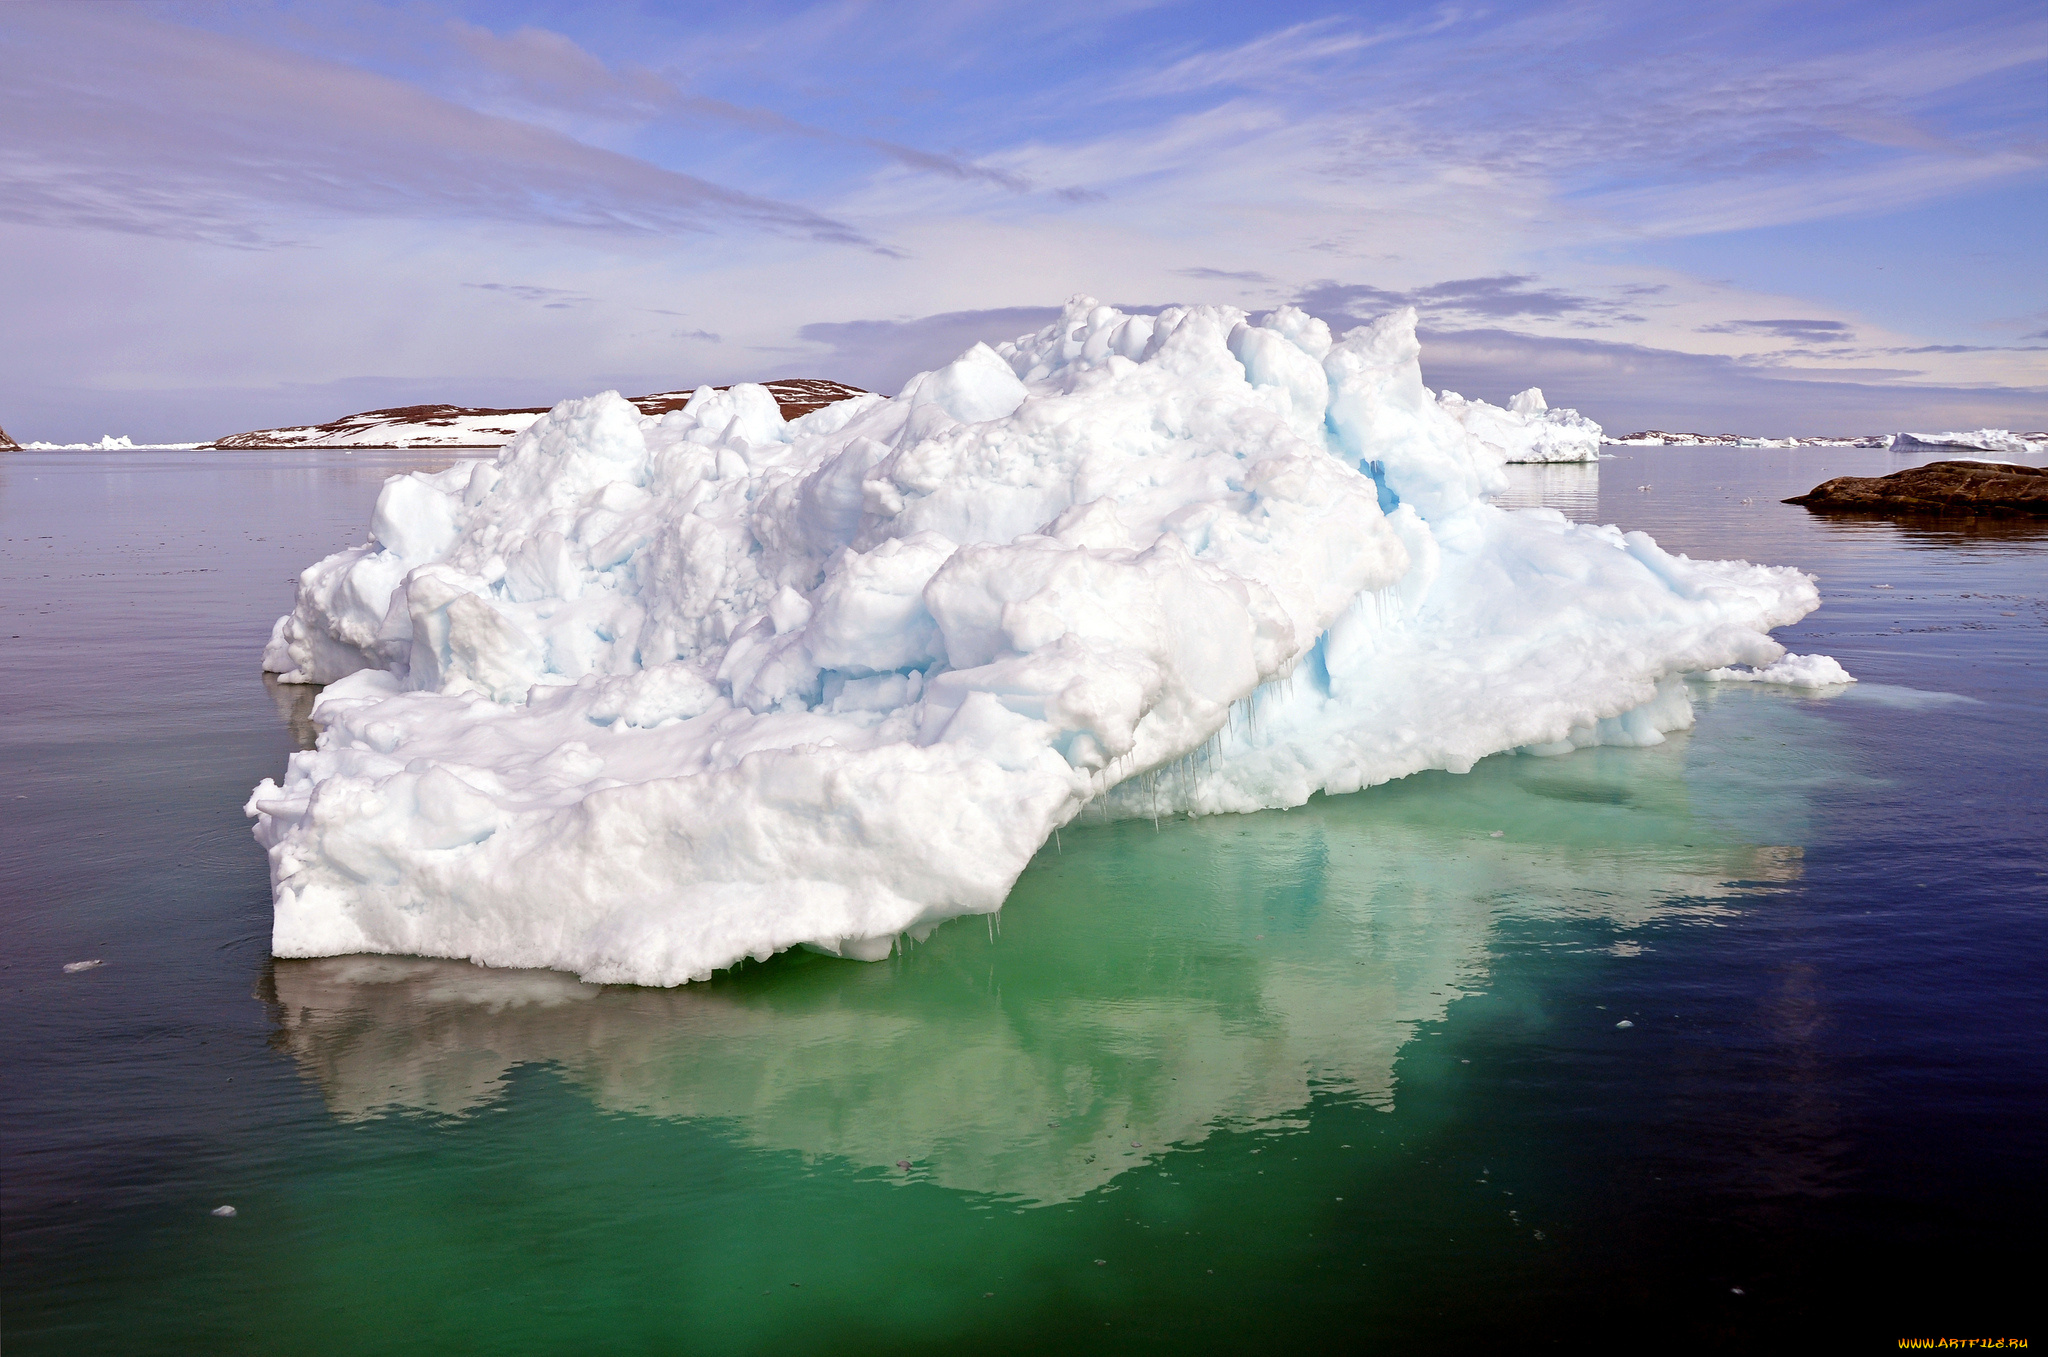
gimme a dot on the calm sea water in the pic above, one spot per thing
(1349, 1074)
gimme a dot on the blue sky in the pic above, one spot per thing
(1765, 218)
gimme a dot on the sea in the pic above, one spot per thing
(1737, 1041)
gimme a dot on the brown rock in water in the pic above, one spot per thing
(7, 444)
(1937, 488)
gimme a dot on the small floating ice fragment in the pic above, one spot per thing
(224, 1211)
(1624, 1023)
(1791, 671)
(74, 967)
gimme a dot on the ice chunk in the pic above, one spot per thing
(973, 388)
(645, 696)
(1792, 671)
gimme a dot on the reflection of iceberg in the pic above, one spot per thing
(1141, 986)
(1571, 488)
(295, 708)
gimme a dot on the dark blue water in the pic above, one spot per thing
(1344, 1075)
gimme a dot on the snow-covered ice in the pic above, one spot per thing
(645, 696)
(1528, 430)
(1791, 671)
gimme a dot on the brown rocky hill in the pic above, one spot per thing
(7, 444)
(467, 426)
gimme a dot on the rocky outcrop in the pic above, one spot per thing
(7, 444)
(1937, 488)
(465, 426)
(796, 395)
(441, 426)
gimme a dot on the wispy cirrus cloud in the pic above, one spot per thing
(553, 298)
(538, 68)
(882, 354)
(1530, 167)
(122, 122)
(1974, 348)
(1808, 330)
(1281, 56)
(1503, 296)
(1634, 386)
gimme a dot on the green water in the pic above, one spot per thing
(1347, 1076)
(1193, 1072)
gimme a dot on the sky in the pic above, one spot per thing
(1739, 217)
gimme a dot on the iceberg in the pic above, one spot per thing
(1972, 440)
(1528, 430)
(645, 696)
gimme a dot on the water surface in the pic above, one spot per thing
(1348, 1073)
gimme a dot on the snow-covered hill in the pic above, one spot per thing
(1658, 438)
(459, 426)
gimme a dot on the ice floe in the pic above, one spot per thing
(1790, 671)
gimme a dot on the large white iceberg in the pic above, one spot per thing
(1528, 430)
(645, 696)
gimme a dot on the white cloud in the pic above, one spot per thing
(1483, 164)
(121, 122)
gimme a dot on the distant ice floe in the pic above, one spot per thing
(1791, 671)
(1659, 438)
(108, 443)
(645, 696)
(1974, 440)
